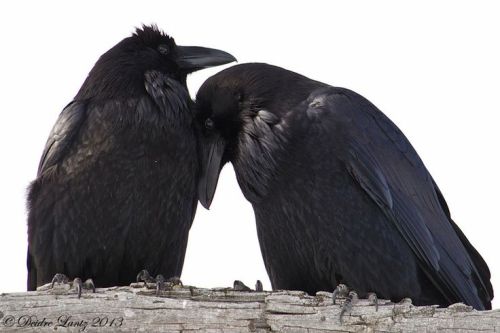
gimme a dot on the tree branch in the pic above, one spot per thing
(189, 309)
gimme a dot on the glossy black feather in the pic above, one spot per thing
(116, 187)
(339, 193)
(62, 135)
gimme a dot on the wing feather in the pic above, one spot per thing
(381, 159)
(62, 135)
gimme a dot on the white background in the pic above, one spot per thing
(432, 67)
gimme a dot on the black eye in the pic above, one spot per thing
(209, 124)
(239, 96)
(163, 49)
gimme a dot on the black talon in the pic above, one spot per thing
(77, 283)
(347, 307)
(258, 286)
(373, 299)
(175, 281)
(405, 300)
(240, 286)
(145, 277)
(60, 279)
(89, 284)
(160, 284)
(340, 291)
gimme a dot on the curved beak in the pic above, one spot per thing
(212, 153)
(193, 58)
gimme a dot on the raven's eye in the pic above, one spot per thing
(163, 49)
(239, 96)
(209, 124)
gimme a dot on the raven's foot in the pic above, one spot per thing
(258, 286)
(373, 299)
(341, 291)
(175, 281)
(59, 278)
(405, 301)
(79, 285)
(240, 286)
(160, 282)
(145, 277)
(168, 284)
(352, 298)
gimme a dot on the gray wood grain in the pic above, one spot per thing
(188, 309)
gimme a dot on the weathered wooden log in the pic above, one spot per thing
(189, 309)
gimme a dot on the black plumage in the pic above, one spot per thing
(339, 193)
(116, 186)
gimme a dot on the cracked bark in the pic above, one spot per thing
(189, 309)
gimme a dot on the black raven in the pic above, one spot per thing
(339, 194)
(116, 185)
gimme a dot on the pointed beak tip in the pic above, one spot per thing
(203, 195)
(231, 58)
(205, 203)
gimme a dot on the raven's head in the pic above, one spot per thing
(120, 71)
(242, 117)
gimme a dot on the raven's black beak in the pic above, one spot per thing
(211, 167)
(193, 58)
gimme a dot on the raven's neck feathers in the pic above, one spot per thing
(262, 142)
(170, 96)
(116, 78)
(268, 136)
